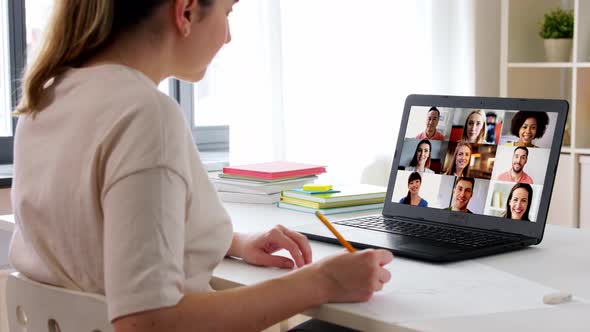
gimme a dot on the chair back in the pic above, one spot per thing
(35, 307)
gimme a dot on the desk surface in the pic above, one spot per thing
(419, 298)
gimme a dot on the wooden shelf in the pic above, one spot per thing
(582, 151)
(525, 73)
(540, 65)
(548, 65)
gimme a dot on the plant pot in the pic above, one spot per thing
(558, 50)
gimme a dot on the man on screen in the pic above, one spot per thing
(516, 172)
(430, 132)
(462, 193)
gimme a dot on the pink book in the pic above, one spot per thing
(274, 170)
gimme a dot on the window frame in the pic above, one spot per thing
(207, 138)
(17, 36)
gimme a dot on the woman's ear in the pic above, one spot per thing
(186, 12)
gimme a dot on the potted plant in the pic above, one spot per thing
(557, 30)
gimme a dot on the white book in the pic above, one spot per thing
(233, 197)
(248, 187)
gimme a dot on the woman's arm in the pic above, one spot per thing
(342, 278)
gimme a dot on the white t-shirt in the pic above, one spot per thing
(110, 196)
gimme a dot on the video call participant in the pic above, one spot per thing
(430, 132)
(528, 126)
(519, 201)
(413, 197)
(462, 193)
(491, 127)
(421, 160)
(460, 163)
(516, 173)
(474, 130)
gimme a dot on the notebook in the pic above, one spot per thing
(274, 170)
(458, 189)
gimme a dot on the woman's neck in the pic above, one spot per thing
(520, 143)
(130, 50)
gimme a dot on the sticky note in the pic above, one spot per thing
(317, 187)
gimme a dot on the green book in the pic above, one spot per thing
(316, 205)
(347, 193)
(336, 210)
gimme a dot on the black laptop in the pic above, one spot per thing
(471, 176)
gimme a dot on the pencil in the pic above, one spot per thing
(337, 234)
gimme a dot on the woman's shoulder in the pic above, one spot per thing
(428, 171)
(117, 88)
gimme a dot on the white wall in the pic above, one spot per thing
(487, 47)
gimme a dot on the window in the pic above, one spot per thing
(165, 86)
(11, 65)
(5, 99)
(241, 90)
(37, 12)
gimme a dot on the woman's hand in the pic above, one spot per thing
(258, 248)
(352, 277)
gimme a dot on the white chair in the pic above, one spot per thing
(35, 307)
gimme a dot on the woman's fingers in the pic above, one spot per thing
(301, 241)
(280, 239)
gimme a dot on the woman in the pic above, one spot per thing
(459, 165)
(519, 200)
(110, 195)
(474, 130)
(528, 126)
(413, 197)
(421, 160)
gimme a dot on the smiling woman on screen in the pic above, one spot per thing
(518, 204)
(413, 196)
(474, 130)
(459, 165)
(421, 159)
(528, 126)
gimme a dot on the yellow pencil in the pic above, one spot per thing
(337, 234)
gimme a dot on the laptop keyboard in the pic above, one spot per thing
(465, 238)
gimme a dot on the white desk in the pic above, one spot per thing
(562, 262)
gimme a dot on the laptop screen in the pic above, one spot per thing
(488, 162)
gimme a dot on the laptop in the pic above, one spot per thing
(471, 176)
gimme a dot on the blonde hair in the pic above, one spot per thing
(453, 165)
(76, 30)
(481, 137)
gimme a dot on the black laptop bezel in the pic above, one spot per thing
(528, 229)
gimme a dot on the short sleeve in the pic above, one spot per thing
(144, 225)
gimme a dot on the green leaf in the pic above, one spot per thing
(557, 23)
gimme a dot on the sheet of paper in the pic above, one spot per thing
(422, 291)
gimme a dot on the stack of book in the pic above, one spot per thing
(263, 183)
(340, 199)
